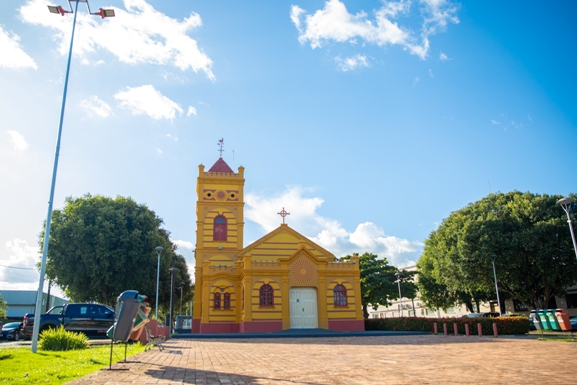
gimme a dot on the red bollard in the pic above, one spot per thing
(445, 328)
(467, 330)
(495, 334)
(435, 329)
(456, 329)
(480, 329)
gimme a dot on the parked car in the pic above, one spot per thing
(11, 331)
(479, 315)
(89, 318)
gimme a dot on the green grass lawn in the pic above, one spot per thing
(21, 366)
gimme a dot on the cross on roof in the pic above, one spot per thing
(221, 144)
(283, 214)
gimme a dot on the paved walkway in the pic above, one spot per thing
(424, 359)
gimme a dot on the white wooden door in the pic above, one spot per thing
(303, 308)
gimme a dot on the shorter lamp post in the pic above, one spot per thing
(171, 290)
(158, 252)
(400, 295)
(493, 256)
(181, 286)
(564, 203)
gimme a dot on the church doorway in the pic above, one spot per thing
(303, 308)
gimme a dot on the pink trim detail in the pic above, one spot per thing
(262, 326)
(347, 325)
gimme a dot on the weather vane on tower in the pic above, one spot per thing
(283, 214)
(221, 145)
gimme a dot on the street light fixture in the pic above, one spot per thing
(158, 252)
(39, 294)
(400, 296)
(493, 256)
(565, 203)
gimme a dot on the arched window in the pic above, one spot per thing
(266, 295)
(220, 228)
(340, 295)
(217, 300)
(227, 300)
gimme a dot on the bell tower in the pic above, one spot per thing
(219, 226)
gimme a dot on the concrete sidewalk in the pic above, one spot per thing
(417, 359)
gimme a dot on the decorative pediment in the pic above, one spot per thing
(284, 243)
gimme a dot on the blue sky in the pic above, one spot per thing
(369, 121)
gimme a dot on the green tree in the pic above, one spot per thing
(100, 247)
(3, 307)
(527, 235)
(377, 281)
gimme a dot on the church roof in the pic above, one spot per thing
(221, 166)
(287, 246)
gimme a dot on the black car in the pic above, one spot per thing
(11, 331)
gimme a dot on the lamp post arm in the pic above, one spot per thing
(38, 309)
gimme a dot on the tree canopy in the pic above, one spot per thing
(100, 247)
(377, 281)
(525, 233)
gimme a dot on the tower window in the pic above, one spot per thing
(227, 300)
(266, 295)
(217, 300)
(340, 295)
(220, 228)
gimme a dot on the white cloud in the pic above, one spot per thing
(13, 56)
(175, 138)
(191, 111)
(351, 63)
(335, 23)
(159, 151)
(495, 122)
(97, 106)
(443, 57)
(416, 81)
(329, 233)
(183, 244)
(431, 73)
(19, 267)
(17, 140)
(146, 100)
(139, 34)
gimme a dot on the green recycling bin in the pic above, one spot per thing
(553, 319)
(542, 313)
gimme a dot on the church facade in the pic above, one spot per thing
(281, 281)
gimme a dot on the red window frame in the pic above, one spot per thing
(220, 228)
(340, 295)
(217, 300)
(227, 300)
(266, 295)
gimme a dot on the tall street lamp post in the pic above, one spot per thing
(158, 252)
(58, 10)
(400, 295)
(493, 256)
(564, 203)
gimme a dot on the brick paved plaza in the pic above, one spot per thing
(425, 359)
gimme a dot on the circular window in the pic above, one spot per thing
(220, 195)
(209, 195)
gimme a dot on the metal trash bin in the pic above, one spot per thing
(562, 316)
(127, 305)
(542, 313)
(553, 319)
(535, 321)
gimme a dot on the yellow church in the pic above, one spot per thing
(281, 281)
